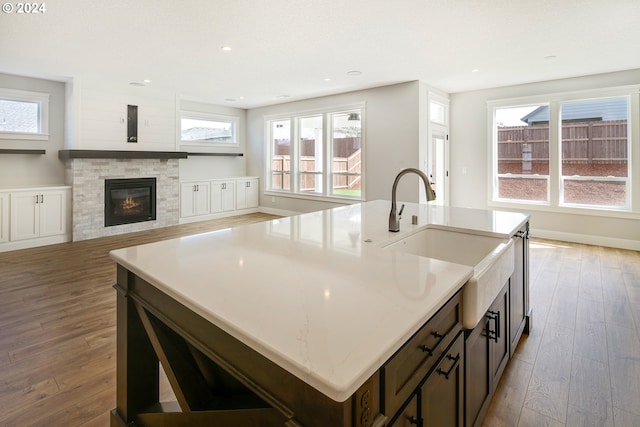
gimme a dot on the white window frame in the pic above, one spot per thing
(327, 170)
(555, 204)
(203, 115)
(42, 99)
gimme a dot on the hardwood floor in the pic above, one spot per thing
(57, 317)
(579, 367)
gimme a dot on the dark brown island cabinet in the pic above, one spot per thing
(442, 376)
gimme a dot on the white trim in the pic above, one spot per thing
(40, 98)
(555, 178)
(313, 196)
(327, 172)
(588, 239)
(280, 212)
(217, 215)
(564, 209)
(203, 115)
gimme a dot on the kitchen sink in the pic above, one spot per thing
(492, 259)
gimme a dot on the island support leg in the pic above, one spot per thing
(137, 377)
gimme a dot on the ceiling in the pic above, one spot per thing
(284, 50)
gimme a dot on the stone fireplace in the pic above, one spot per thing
(88, 177)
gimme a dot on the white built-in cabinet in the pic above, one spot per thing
(247, 193)
(195, 198)
(224, 196)
(34, 217)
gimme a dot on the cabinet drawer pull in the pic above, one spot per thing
(429, 350)
(456, 361)
(495, 333)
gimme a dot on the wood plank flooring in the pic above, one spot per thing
(57, 327)
(579, 367)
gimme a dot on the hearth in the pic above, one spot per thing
(129, 200)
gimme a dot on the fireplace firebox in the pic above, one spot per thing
(129, 200)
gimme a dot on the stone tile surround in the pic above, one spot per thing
(87, 176)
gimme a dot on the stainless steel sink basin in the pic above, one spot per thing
(492, 259)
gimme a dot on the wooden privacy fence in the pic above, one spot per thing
(582, 142)
(343, 168)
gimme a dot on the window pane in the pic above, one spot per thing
(595, 152)
(311, 154)
(437, 112)
(207, 130)
(523, 152)
(523, 188)
(347, 154)
(19, 116)
(281, 155)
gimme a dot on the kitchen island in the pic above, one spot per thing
(295, 321)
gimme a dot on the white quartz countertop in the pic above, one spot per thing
(316, 293)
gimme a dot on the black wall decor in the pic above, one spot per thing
(132, 123)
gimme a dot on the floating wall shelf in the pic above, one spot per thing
(127, 154)
(123, 154)
(22, 151)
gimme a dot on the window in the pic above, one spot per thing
(522, 153)
(595, 167)
(200, 128)
(571, 151)
(24, 115)
(280, 131)
(325, 158)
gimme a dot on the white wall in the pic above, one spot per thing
(98, 116)
(18, 170)
(468, 135)
(391, 138)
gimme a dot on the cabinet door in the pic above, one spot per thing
(187, 200)
(229, 196)
(217, 190)
(247, 194)
(478, 378)
(487, 354)
(202, 196)
(519, 288)
(409, 415)
(4, 218)
(53, 216)
(24, 219)
(442, 395)
(498, 334)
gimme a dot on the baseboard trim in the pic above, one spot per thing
(588, 239)
(279, 212)
(218, 215)
(33, 243)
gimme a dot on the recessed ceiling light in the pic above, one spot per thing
(142, 83)
(354, 73)
(327, 79)
(475, 70)
(283, 96)
(226, 48)
(230, 99)
(241, 97)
